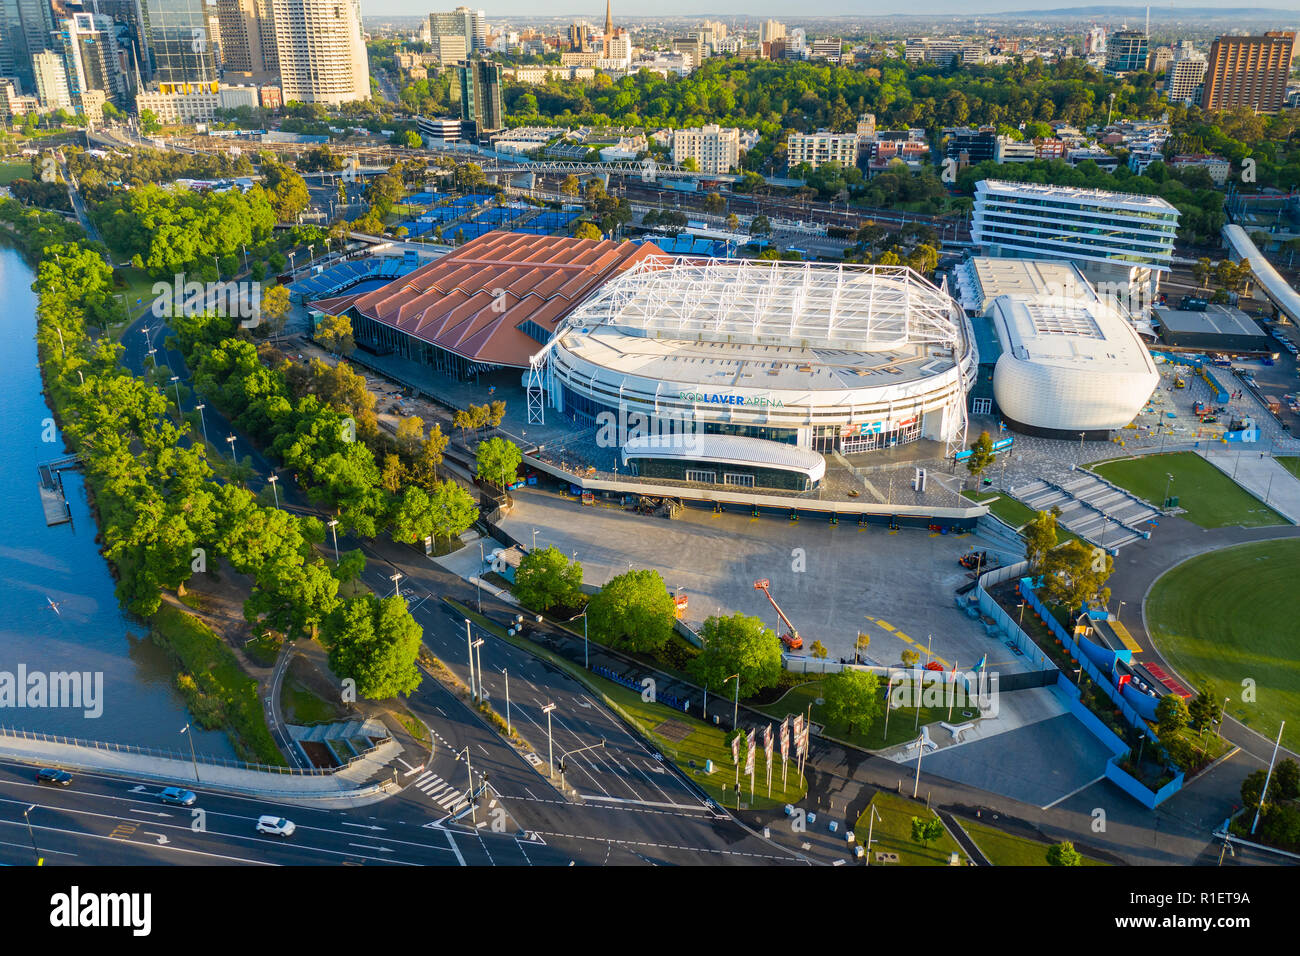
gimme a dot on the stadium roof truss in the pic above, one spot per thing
(864, 308)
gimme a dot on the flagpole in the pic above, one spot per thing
(952, 691)
(889, 692)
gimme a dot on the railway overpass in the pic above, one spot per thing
(1278, 291)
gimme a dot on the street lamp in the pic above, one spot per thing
(333, 524)
(203, 422)
(509, 729)
(469, 646)
(534, 547)
(231, 442)
(396, 578)
(1169, 478)
(735, 711)
(550, 747)
(190, 737)
(920, 751)
(478, 665)
(469, 772)
(272, 480)
(176, 380)
(32, 835)
(1118, 610)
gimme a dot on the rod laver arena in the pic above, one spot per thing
(819, 356)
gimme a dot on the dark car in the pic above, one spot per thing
(53, 777)
(176, 795)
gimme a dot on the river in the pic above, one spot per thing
(39, 564)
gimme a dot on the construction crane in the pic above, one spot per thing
(790, 638)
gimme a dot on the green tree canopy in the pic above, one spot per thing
(739, 644)
(374, 642)
(634, 611)
(547, 579)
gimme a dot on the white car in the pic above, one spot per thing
(276, 826)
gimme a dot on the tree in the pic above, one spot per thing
(1063, 854)
(819, 650)
(275, 308)
(1204, 711)
(412, 516)
(1171, 715)
(452, 509)
(923, 831)
(1076, 574)
(571, 186)
(335, 334)
(1040, 538)
(739, 644)
(852, 697)
(1286, 780)
(760, 225)
(410, 434)
(547, 579)
(634, 612)
(374, 641)
(981, 455)
(292, 598)
(497, 461)
(1252, 788)
(910, 658)
(149, 122)
(587, 230)
(860, 646)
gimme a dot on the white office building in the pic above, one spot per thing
(715, 149)
(51, 81)
(322, 52)
(822, 147)
(1121, 241)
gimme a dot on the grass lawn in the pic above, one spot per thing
(686, 741)
(217, 690)
(1231, 615)
(892, 833)
(1015, 513)
(902, 722)
(1210, 498)
(11, 171)
(1004, 849)
(1290, 462)
(301, 706)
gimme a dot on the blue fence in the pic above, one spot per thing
(631, 683)
(1132, 786)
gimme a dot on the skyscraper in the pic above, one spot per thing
(26, 26)
(321, 51)
(1185, 76)
(1248, 71)
(480, 94)
(248, 35)
(92, 63)
(1126, 52)
(471, 24)
(176, 37)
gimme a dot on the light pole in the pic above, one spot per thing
(469, 646)
(509, 729)
(396, 578)
(193, 758)
(478, 578)
(550, 746)
(469, 772)
(1267, 778)
(1081, 434)
(333, 524)
(176, 383)
(478, 666)
(534, 547)
(231, 442)
(272, 480)
(1169, 479)
(735, 710)
(216, 262)
(203, 422)
(920, 750)
(871, 822)
(1118, 610)
(32, 835)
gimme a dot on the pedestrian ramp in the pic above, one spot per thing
(439, 791)
(1093, 508)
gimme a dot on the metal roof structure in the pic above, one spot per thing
(806, 304)
(727, 449)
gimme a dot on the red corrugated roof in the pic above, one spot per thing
(449, 301)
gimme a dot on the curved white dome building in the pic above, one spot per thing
(1069, 364)
(819, 356)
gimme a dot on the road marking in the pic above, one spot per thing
(644, 803)
(364, 846)
(362, 826)
(162, 839)
(152, 813)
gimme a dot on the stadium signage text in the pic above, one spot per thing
(702, 398)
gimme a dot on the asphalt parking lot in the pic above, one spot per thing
(832, 582)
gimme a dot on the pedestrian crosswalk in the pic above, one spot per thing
(440, 792)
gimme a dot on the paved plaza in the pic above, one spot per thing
(832, 582)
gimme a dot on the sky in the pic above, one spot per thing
(594, 10)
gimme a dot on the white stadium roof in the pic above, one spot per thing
(728, 450)
(862, 308)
